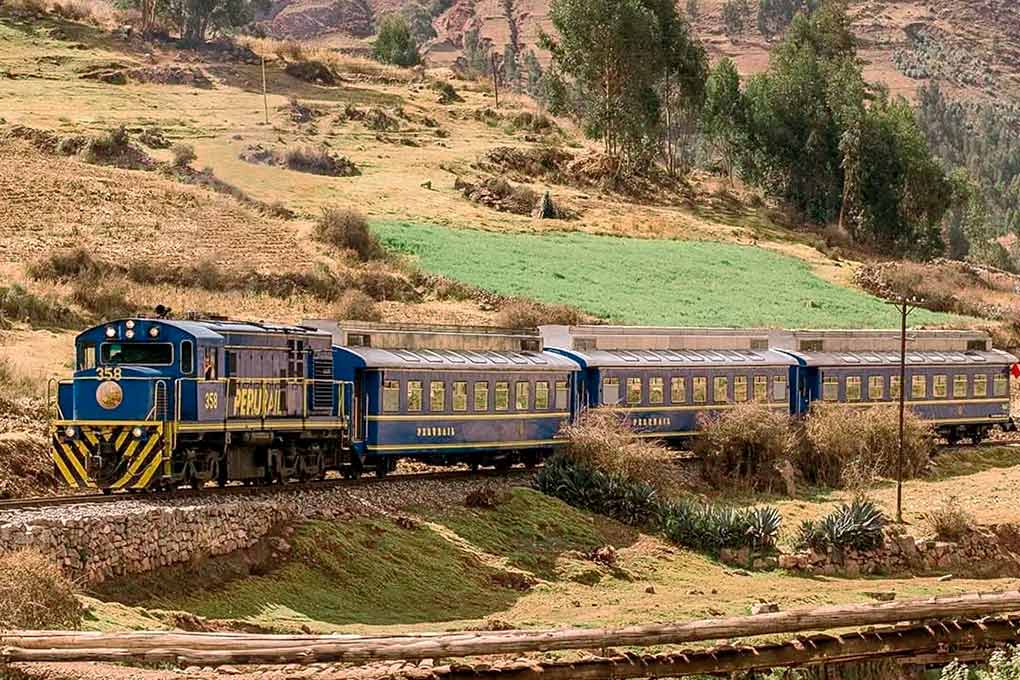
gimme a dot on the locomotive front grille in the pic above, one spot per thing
(128, 456)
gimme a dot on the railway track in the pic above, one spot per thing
(41, 502)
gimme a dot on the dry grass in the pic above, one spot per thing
(35, 595)
(292, 52)
(20, 304)
(601, 440)
(531, 314)
(347, 229)
(745, 446)
(355, 305)
(184, 155)
(949, 521)
(844, 446)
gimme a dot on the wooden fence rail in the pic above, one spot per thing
(210, 649)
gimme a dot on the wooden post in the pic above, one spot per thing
(495, 80)
(237, 648)
(265, 97)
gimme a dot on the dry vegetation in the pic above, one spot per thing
(346, 229)
(746, 446)
(311, 60)
(531, 314)
(949, 521)
(35, 595)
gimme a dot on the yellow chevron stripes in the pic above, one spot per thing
(131, 461)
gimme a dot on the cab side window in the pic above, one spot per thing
(187, 357)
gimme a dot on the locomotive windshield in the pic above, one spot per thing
(138, 353)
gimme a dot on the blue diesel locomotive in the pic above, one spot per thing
(157, 403)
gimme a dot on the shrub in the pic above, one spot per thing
(744, 445)
(65, 265)
(35, 595)
(608, 493)
(447, 92)
(856, 525)
(348, 229)
(72, 10)
(355, 305)
(19, 304)
(836, 434)
(531, 314)
(949, 521)
(29, 7)
(712, 528)
(394, 43)
(1004, 664)
(108, 146)
(319, 161)
(184, 155)
(106, 302)
(601, 439)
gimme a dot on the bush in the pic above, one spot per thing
(104, 301)
(348, 229)
(522, 314)
(744, 445)
(355, 305)
(607, 493)
(394, 43)
(65, 265)
(19, 304)
(184, 155)
(949, 521)
(867, 438)
(319, 161)
(29, 7)
(1004, 664)
(35, 595)
(447, 92)
(856, 525)
(108, 146)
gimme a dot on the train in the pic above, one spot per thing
(157, 403)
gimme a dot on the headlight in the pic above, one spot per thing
(130, 324)
(154, 332)
(109, 395)
(69, 431)
(110, 331)
(137, 432)
(129, 333)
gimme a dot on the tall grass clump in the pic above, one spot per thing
(522, 314)
(35, 595)
(354, 305)
(949, 521)
(745, 446)
(347, 229)
(19, 304)
(838, 434)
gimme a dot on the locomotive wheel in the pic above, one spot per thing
(382, 468)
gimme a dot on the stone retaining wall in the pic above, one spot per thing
(986, 552)
(95, 542)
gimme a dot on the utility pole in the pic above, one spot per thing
(495, 80)
(265, 97)
(905, 306)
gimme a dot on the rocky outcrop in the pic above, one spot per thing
(93, 543)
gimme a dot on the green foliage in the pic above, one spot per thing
(775, 15)
(725, 111)
(533, 81)
(419, 21)
(735, 14)
(693, 8)
(857, 525)
(195, 19)
(476, 54)
(394, 43)
(690, 283)
(687, 523)
(610, 59)
(1004, 664)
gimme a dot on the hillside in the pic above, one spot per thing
(974, 45)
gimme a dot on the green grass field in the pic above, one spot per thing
(639, 281)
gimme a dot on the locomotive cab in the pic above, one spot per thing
(113, 418)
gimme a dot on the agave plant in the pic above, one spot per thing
(811, 536)
(763, 527)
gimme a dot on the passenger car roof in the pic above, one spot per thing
(687, 358)
(913, 358)
(374, 357)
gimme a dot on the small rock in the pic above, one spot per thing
(650, 590)
(764, 608)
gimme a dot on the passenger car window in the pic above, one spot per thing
(562, 395)
(523, 396)
(830, 389)
(959, 386)
(437, 396)
(720, 389)
(761, 388)
(460, 396)
(656, 391)
(502, 396)
(542, 395)
(939, 387)
(391, 396)
(414, 395)
(780, 392)
(740, 388)
(853, 388)
(1001, 386)
(876, 388)
(611, 391)
(633, 390)
(981, 385)
(701, 390)
(481, 396)
(678, 390)
(894, 387)
(918, 386)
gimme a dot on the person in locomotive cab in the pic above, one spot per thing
(208, 368)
